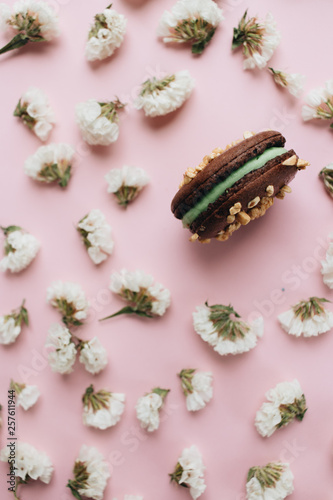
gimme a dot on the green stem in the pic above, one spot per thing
(17, 42)
(127, 310)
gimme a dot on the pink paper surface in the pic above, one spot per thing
(281, 251)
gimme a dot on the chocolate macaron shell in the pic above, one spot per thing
(246, 193)
(221, 167)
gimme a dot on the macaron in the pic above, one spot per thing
(233, 186)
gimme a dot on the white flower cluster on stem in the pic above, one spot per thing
(102, 409)
(34, 110)
(126, 183)
(148, 408)
(70, 300)
(51, 163)
(20, 249)
(106, 35)
(26, 395)
(274, 481)
(189, 472)
(197, 387)
(11, 324)
(308, 318)
(96, 236)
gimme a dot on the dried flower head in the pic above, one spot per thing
(106, 35)
(96, 235)
(70, 301)
(189, 472)
(308, 318)
(26, 395)
(274, 480)
(50, 164)
(20, 249)
(102, 409)
(126, 183)
(35, 112)
(11, 324)
(148, 408)
(293, 82)
(319, 103)
(197, 388)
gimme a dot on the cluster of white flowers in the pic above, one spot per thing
(197, 388)
(11, 324)
(26, 395)
(93, 355)
(291, 81)
(63, 349)
(98, 121)
(91, 473)
(96, 235)
(70, 301)
(145, 298)
(285, 402)
(274, 481)
(51, 163)
(102, 409)
(34, 110)
(259, 40)
(327, 265)
(190, 21)
(160, 97)
(189, 472)
(32, 20)
(126, 183)
(308, 318)
(319, 103)
(20, 249)
(148, 408)
(106, 35)
(29, 462)
(216, 326)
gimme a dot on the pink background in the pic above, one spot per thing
(282, 250)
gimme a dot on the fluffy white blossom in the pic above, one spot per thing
(70, 301)
(34, 110)
(293, 82)
(98, 121)
(20, 249)
(29, 462)
(102, 409)
(26, 395)
(126, 183)
(11, 324)
(51, 163)
(190, 21)
(327, 265)
(220, 327)
(319, 103)
(106, 35)
(197, 388)
(271, 482)
(62, 350)
(286, 401)
(259, 39)
(91, 473)
(30, 20)
(148, 408)
(160, 97)
(308, 318)
(144, 297)
(96, 235)
(189, 471)
(93, 355)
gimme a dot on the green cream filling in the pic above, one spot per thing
(219, 189)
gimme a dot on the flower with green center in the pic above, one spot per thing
(35, 112)
(96, 235)
(319, 103)
(70, 301)
(126, 183)
(274, 478)
(308, 318)
(32, 21)
(26, 395)
(222, 328)
(326, 175)
(51, 164)
(293, 82)
(258, 39)
(190, 21)
(189, 472)
(197, 388)
(102, 409)
(11, 324)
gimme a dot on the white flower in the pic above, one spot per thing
(106, 35)
(192, 21)
(93, 355)
(9, 330)
(308, 318)
(259, 39)
(70, 300)
(63, 354)
(327, 265)
(267, 419)
(160, 97)
(148, 408)
(33, 20)
(51, 163)
(35, 112)
(97, 471)
(97, 121)
(29, 462)
(285, 393)
(20, 249)
(319, 103)
(197, 388)
(126, 183)
(145, 298)
(26, 395)
(96, 235)
(271, 482)
(233, 337)
(189, 471)
(102, 409)
(293, 82)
